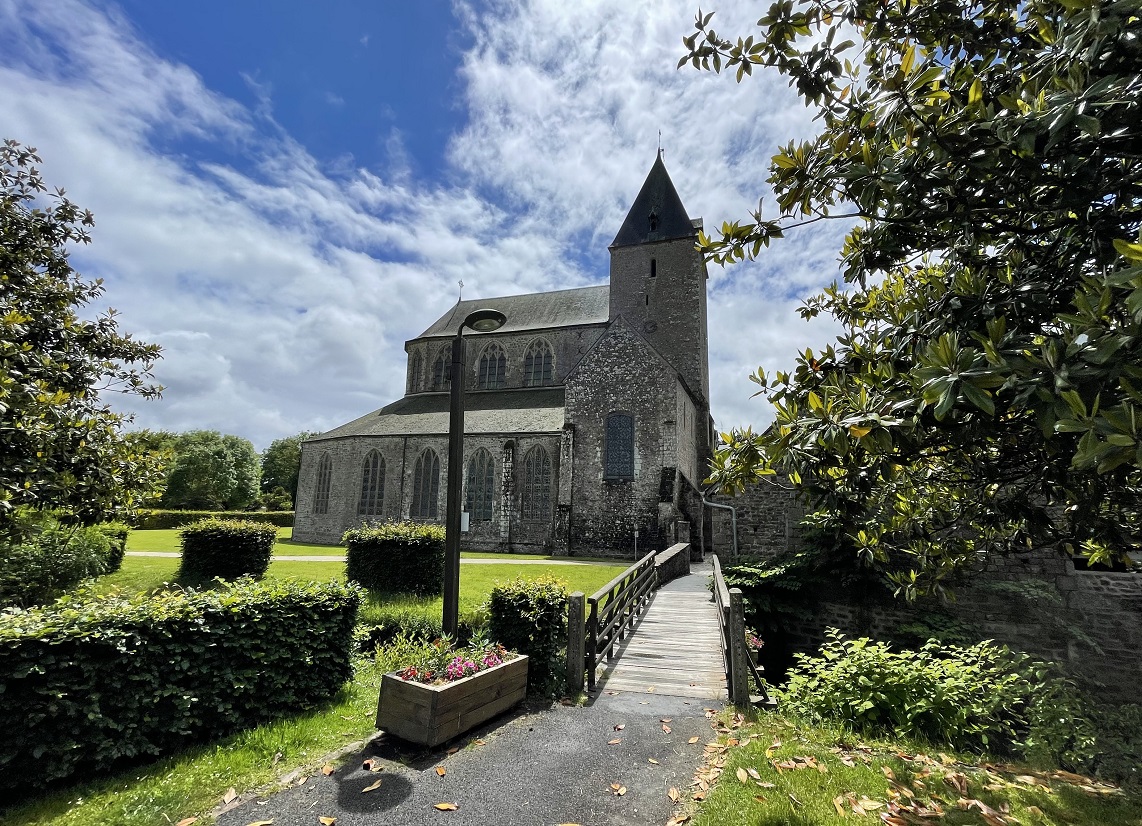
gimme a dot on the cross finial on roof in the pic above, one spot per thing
(461, 282)
(660, 143)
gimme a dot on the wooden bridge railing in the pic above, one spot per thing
(739, 662)
(613, 610)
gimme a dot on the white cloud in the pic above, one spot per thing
(283, 291)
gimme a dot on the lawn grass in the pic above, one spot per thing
(779, 771)
(146, 573)
(167, 541)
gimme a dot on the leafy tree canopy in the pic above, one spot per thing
(986, 395)
(61, 444)
(281, 463)
(212, 471)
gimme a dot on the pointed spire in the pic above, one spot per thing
(657, 213)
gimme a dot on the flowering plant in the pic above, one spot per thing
(753, 640)
(443, 662)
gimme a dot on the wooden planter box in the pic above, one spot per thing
(432, 714)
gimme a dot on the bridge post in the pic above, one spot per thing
(576, 642)
(739, 679)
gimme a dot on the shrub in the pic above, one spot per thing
(396, 557)
(93, 680)
(151, 520)
(226, 548)
(530, 616)
(116, 533)
(49, 563)
(983, 697)
(384, 624)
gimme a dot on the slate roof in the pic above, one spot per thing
(532, 410)
(532, 311)
(659, 198)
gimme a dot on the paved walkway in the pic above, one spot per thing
(332, 558)
(676, 649)
(555, 766)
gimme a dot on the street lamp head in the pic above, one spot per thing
(484, 321)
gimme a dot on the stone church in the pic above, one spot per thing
(588, 412)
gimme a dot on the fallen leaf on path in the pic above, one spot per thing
(838, 804)
(618, 789)
(614, 742)
(230, 796)
(619, 726)
(678, 821)
(692, 740)
(326, 821)
(479, 743)
(187, 821)
(699, 796)
(440, 772)
(666, 728)
(445, 807)
(301, 780)
(372, 764)
(261, 823)
(328, 769)
(666, 720)
(453, 750)
(674, 795)
(372, 787)
(650, 689)
(652, 760)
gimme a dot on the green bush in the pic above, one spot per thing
(116, 533)
(226, 548)
(983, 697)
(50, 563)
(396, 557)
(156, 520)
(384, 625)
(94, 680)
(530, 616)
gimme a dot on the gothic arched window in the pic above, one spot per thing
(372, 485)
(619, 447)
(442, 369)
(414, 372)
(535, 498)
(537, 365)
(493, 368)
(481, 484)
(324, 483)
(426, 486)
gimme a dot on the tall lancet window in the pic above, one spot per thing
(538, 365)
(493, 368)
(535, 498)
(324, 483)
(481, 485)
(426, 486)
(372, 485)
(442, 369)
(619, 447)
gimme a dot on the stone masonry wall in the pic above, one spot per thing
(622, 374)
(506, 531)
(1089, 621)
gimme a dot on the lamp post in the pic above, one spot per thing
(482, 321)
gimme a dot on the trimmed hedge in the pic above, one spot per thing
(51, 562)
(530, 616)
(90, 681)
(116, 533)
(226, 548)
(396, 557)
(157, 520)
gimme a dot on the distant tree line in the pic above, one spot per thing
(208, 470)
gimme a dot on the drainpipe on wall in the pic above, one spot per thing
(733, 522)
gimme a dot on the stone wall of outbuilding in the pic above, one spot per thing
(1088, 621)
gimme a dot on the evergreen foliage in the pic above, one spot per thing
(396, 557)
(93, 681)
(530, 616)
(226, 548)
(51, 561)
(61, 445)
(985, 395)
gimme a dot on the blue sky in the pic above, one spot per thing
(285, 193)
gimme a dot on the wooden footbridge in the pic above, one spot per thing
(660, 627)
